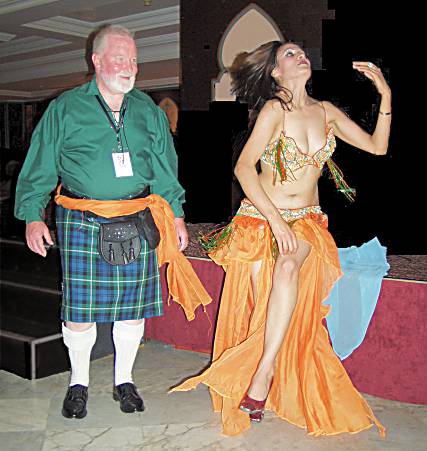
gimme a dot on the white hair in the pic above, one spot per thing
(100, 39)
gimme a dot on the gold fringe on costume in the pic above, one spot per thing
(310, 387)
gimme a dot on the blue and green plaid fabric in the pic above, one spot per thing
(93, 290)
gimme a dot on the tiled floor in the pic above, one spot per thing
(30, 417)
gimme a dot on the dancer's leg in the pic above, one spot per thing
(281, 304)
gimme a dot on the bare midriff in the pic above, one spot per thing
(299, 193)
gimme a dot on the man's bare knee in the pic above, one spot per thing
(78, 327)
(133, 322)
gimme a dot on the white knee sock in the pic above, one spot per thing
(79, 346)
(127, 339)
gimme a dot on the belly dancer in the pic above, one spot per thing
(271, 350)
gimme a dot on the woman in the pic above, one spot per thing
(271, 348)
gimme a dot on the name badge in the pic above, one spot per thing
(122, 164)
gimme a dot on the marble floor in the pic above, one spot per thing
(30, 417)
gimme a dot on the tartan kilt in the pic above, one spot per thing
(95, 291)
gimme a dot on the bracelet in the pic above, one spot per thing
(385, 114)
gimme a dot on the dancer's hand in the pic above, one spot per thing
(35, 232)
(286, 240)
(369, 70)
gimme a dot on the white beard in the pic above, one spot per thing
(118, 85)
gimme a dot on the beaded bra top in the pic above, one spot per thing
(285, 157)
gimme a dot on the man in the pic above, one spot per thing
(105, 141)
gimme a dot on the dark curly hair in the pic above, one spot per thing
(252, 81)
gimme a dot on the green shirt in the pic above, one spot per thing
(74, 141)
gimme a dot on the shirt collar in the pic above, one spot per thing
(92, 87)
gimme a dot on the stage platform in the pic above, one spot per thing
(390, 363)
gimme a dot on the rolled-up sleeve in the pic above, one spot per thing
(165, 167)
(39, 174)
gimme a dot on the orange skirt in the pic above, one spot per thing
(310, 388)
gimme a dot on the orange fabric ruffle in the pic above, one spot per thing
(184, 286)
(310, 388)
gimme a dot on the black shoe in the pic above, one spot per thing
(130, 401)
(74, 405)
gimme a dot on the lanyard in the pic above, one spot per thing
(116, 126)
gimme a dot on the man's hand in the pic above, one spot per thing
(34, 233)
(181, 233)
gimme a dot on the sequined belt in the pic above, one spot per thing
(248, 209)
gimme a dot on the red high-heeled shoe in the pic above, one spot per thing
(256, 417)
(252, 406)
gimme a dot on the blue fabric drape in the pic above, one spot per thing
(354, 297)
